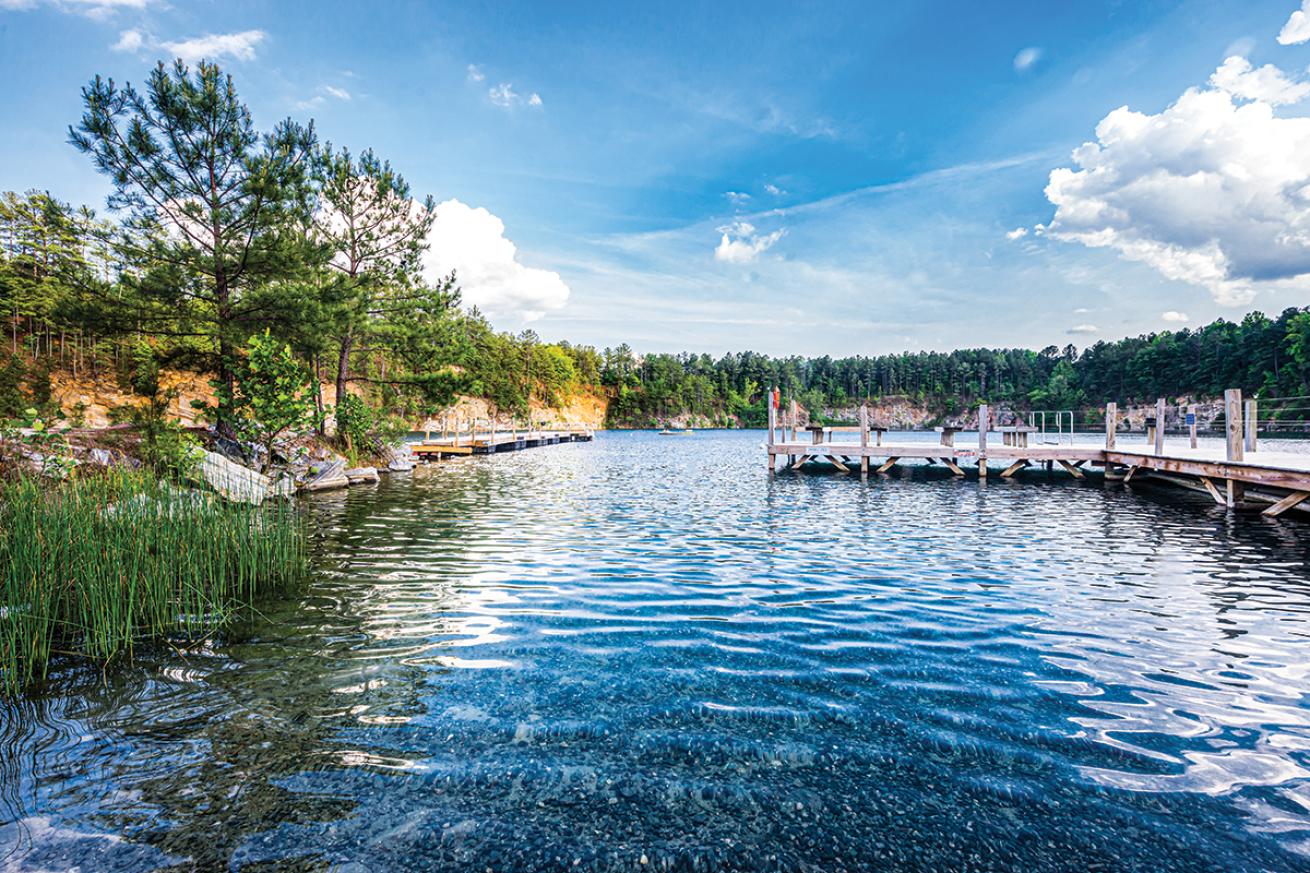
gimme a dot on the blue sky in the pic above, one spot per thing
(789, 178)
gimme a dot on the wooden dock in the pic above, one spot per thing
(1237, 474)
(493, 441)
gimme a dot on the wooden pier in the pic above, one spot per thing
(1236, 474)
(493, 440)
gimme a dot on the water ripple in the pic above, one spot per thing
(580, 656)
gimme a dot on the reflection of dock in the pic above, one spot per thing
(1236, 473)
(494, 440)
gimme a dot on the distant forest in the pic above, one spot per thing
(1269, 357)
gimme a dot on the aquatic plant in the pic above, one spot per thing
(96, 565)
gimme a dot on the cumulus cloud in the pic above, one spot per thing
(471, 241)
(1175, 316)
(773, 189)
(1083, 329)
(212, 46)
(1026, 59)
(1236, 76)
(1017, 233)
(741, 243)
(1213, 191)
(129, 41)
(737, 198)
(1297, 28)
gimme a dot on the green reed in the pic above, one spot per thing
(95, 566)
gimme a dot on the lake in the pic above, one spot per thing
(643, 653)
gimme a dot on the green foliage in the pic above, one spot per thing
(12, 398)
(215, 208)
(96, 565)
(272, 395)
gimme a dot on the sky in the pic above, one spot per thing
(789, 178)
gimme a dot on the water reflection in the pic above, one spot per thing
(599, 653)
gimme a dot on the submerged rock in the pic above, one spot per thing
(361, 475)
(325, 476)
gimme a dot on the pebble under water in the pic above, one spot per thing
(644, 654)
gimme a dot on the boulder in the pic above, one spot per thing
(361, 475)
(232, 480)
(326, 475)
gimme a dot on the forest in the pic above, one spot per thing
(278, 264)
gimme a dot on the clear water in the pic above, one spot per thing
(580, 656)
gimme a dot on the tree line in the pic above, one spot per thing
(1262, 356)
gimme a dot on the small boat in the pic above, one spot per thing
(667, 432)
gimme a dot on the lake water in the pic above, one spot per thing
(643, 653)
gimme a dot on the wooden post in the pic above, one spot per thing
(1191, 423)
(984, 421)
(1251, 423)
(1233, 422)
(1159, 426)
(1233, 431)
(795, 420)
(864, 439)
(1111, 424)
(773, 426)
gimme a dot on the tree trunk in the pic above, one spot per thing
(226, 377)
(343, 372)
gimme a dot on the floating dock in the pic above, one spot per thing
(1236, 474)
(494, 441)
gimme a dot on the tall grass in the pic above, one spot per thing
(98, 565)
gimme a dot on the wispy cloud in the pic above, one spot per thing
(339, 93)
(475, 74)
(1026, 59)
(1175, 316)
(212, 46)
(90, 8)
(1083, 329)
(737, 198)
(504, 96)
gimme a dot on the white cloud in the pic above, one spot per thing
(737, 198)
(211, 46)
(1026, 59)
(472, 242)
(1017, 233)
(129, 41)
(475, 74)
(504, 96)
(1175, 316)
(1297, 28)
(1213, 191)
(339, 93)
(773, 189)
(741, 244)
(1084, 329)
(1236, 77)
(90, 8)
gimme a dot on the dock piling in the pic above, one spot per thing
(1159, 426)
(984, 422)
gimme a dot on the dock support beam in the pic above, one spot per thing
(1111, 424)
(1159, 426)
(984, 422)
(1251, 423)
(1191, 423)
(773, 427)
(1233, 430)
(864, 439)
